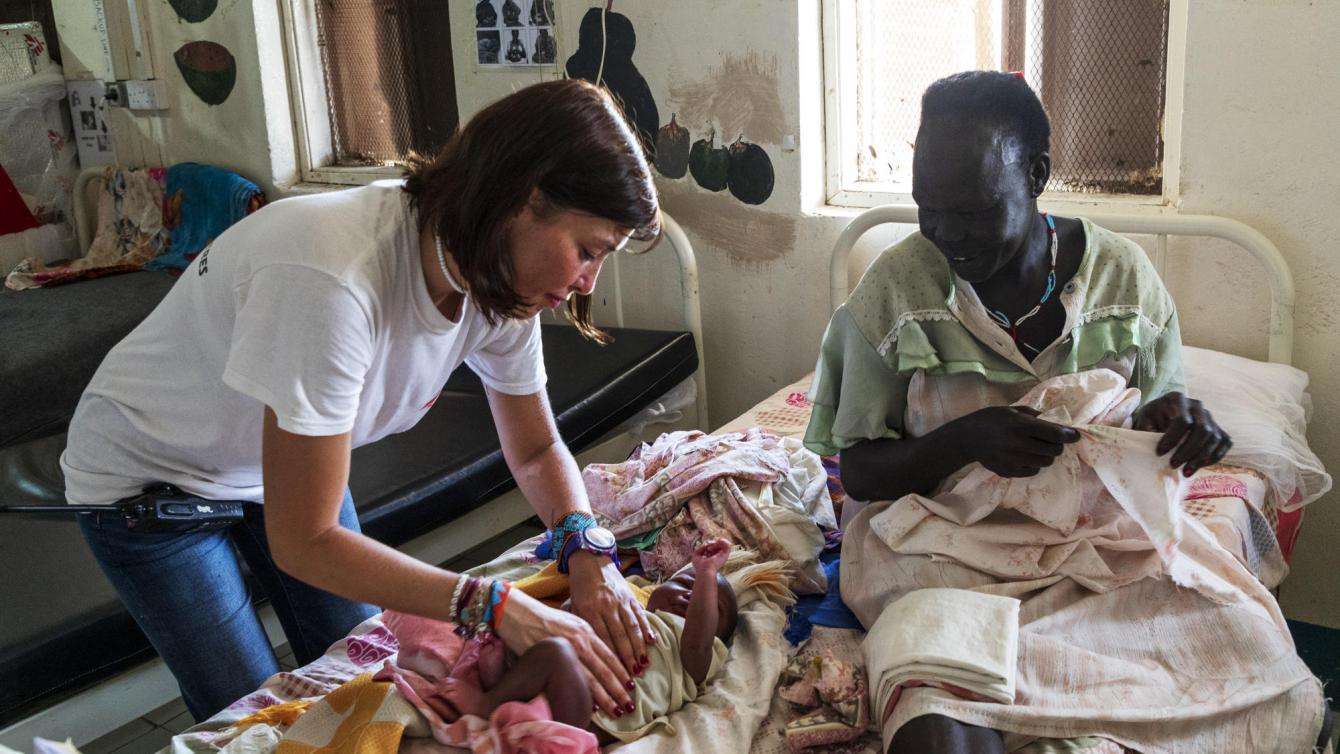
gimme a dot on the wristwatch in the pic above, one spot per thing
(593, 539)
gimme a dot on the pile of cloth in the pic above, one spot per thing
(759, 491)
(958, 640)
(829, 698)
(1136, 626)
(151, 218)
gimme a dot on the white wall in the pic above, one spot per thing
(1262, 99)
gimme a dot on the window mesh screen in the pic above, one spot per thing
(389, 80)
(1098, 67)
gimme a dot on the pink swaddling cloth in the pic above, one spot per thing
(446, 678)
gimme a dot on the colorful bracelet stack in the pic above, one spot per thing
(564, 528)
(476, 604)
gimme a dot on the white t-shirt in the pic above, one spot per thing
(315, 306)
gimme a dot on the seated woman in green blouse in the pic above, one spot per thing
(919, 367)
(991, 297)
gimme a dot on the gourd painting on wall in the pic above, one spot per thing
(620, 74)
(208, 68)
(738, 99)
(741, 166)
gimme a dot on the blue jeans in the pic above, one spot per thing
(187, 594)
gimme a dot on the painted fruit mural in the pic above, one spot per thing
(209, 69)
(672, 149)
(709, 164)
(749, 172)
(194, 11)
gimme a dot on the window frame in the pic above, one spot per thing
(842, 189)
(309, 102)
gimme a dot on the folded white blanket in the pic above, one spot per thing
(945, 636)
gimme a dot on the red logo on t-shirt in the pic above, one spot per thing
(430, 402)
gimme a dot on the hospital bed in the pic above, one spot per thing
(746, 700)
(71, 657)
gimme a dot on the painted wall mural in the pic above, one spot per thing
(194, 11)
(620, 74)
(740, 97)
(749, 173)
(743, 167)
(209, 70)
(709, 164)
(672, 149)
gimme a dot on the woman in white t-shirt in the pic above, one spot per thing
(325, 322)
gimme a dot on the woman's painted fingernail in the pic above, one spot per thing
(645, 661)
(630, 685)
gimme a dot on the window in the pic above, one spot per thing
(1099, 67)
(372, 82)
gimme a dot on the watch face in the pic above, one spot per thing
(600, 537)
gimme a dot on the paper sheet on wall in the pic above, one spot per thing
(515, 33)
(88, 112)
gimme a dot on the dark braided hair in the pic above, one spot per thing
(991, 98)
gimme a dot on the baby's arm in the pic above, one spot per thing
(700, 620)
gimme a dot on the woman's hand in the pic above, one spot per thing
(1187, 427)
(602, 597)
(1010, 440)
(526, 621)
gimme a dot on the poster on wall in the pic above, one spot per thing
(515, 33)
(88, 111)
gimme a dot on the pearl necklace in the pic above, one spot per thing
(442, 262)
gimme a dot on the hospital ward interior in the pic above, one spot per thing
(669, 376)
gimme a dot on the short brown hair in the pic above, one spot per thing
(566, 138)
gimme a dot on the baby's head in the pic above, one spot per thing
(673, 597)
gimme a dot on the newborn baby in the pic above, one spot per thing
(693, 615)
(445, 676)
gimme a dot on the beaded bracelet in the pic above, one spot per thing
(474, 608)
(567, 526)
(467, 598)
(496, 591)
(498, 609)
(454, 606)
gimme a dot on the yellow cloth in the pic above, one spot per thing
(665, 686)
(284, 713)
(551, 587)
(359, 717)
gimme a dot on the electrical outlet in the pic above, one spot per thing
(145, 94)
